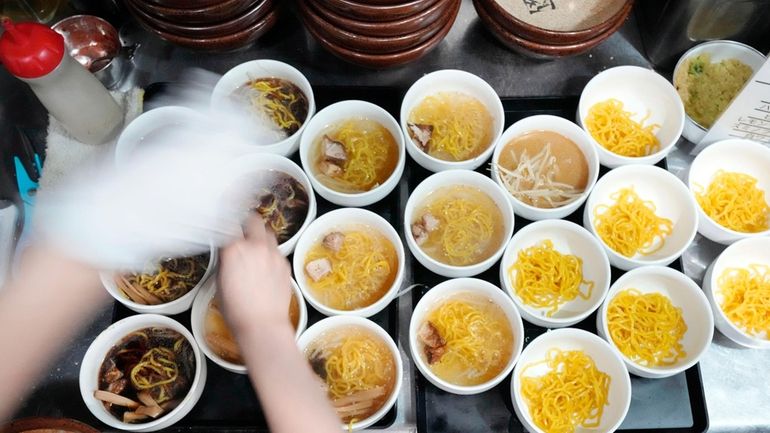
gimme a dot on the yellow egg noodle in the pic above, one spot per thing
(362, 270)
(545, 278)
(370, 148)
(630, 225)
(612, 126)
(462, 125)
(572, 394)
(734, 201)
(477, 344)
(746, 298)
(465, 226)
(647, 328)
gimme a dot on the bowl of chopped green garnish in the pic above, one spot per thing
(708, 77)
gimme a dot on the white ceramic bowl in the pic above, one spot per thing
(671, 198)
(451, 178)
(333, 325)
(451, 80)
(257, 162)
(92, 361)
(607, 360)
(560, 126)
(684, 294)
(339, 112)
(738, 255)
(245, 72)
(641, 90)
(567, 238)
(736, 155)
(719, 50)
(342, 220)
(198, 324)
(446, 290)
(176, 306)
(155, 121)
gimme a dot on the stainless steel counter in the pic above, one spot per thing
(736, 383)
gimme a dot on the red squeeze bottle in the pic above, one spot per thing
(36, 55)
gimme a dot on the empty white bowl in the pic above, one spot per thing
(332, 325)
(339, 112)
(256, 162)
(176, 306)
(152, 124)
(606, 358)
(198, 324)
(452, 178)
(738, 155)
(245, 72)
(671, 198)
(719, 50)
(683, 293)
(738, 255)
(560, 126)
(451, 80)
(104, 342)
(567, 238)
(641, 90)
(447, 290)
(343, 220)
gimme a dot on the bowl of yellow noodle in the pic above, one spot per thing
(359, 364)
(730, 181)
(167, 286)
(103, 347)
(642, 215)
(349, 262)
(556, 272)
(469, 220)
(659, 320)
(737, 284)
(236, 94)
(451, 119)
(632, 114)
(547, 164)
(465, 336)
(353, 153)
(570, 380)
(214, 336)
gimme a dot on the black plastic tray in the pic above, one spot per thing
(674, 405)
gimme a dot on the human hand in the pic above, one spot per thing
(254, 281)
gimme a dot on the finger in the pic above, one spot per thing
(255, 229)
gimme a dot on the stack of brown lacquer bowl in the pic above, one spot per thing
(206, 24)
(379, 33)
(552, 28)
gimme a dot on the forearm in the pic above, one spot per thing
(40, 313)
(290, 393)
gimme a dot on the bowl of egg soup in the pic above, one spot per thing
(353, 153)
(451, 119)
(457, 223)
(547, 164)
(465, 336)
(349, 262)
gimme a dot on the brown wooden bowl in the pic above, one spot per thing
(185, 4)
(536, 49)
(217, 43)
(552, 37)
(47, 424)
(381, 61)
(222, 11)
(253, 14)
(370, 12)
(381, 29)
(368, 44)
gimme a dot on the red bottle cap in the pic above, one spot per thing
(30, 50)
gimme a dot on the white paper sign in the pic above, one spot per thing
(748, 116)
